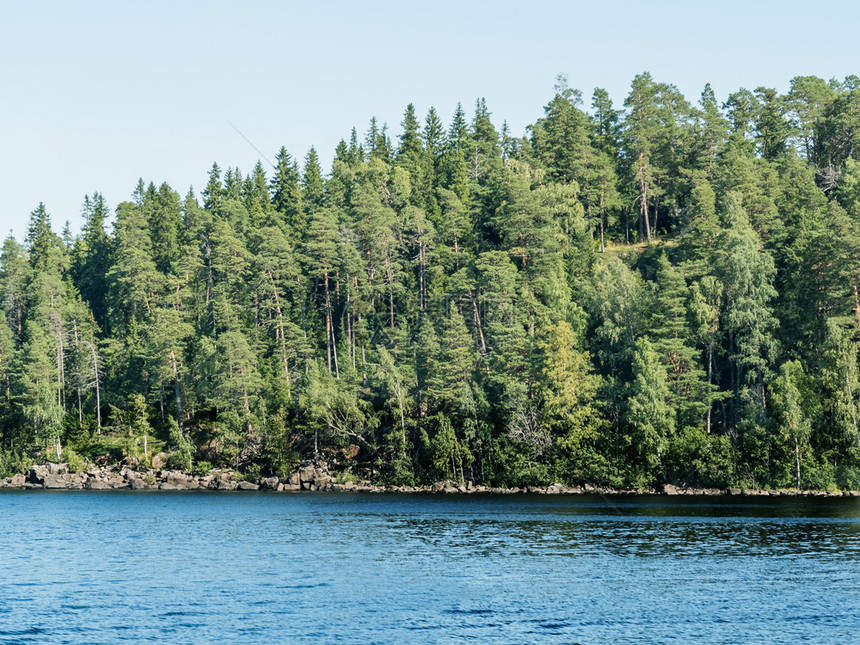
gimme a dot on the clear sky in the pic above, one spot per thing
(94, 95)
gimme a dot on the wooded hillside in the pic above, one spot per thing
(662, 291)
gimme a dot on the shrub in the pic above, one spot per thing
(179, 460)
(75, 461)
(12, 463)
(201, 467)
(252, 472)
(346, 476)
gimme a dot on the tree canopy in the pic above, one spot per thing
(659, 292)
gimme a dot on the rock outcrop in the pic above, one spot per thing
(313, 477)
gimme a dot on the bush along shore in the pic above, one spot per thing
(318, 478)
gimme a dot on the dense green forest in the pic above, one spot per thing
(662, 291)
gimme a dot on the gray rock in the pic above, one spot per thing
(269, 483)
(37, 474)
(294, 479)
(247, 486)
(321, 482)
(17, 480)
(307, 474)
(668, 489)
(440, 486)
(227, 485)
(177, 478)
(57, 469)
(137, 484)
(96, 484)
(56, 481)
(167, 486)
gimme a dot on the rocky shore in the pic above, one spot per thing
(312, 478)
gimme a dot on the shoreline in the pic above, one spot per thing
(312, 479)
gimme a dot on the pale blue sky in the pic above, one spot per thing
(94, 95)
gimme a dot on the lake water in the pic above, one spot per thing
(110, 567)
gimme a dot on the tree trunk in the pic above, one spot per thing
(78, 372)
(797, 459)
(643, 200)
(602, 217)
(390, 278)
(327, 322)
(176, 390)
(478, 324)
(98, 390)
(710, 381)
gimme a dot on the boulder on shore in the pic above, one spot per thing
(56, 481)
(37, 474)
(269, 483)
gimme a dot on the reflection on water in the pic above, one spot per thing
(87, 567)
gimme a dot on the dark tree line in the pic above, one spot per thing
(661, 291)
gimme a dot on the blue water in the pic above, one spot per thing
(111, 567)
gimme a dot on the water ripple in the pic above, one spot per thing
(84, 568)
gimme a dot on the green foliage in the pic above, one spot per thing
(12, 463)
(75, 461)
(179, 460)
(659, 293)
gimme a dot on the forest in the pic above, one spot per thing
(662, 291)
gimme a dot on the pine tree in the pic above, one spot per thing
(91, 258)
(41, 240)
(642, 131)
(772, 130)
(671, 336)
(410, 155)
(312, 182)
(649, 416)
(711, 131)
(747, 275)
(286, 193)
(162, 210)
(214, 191)
(568, 395)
